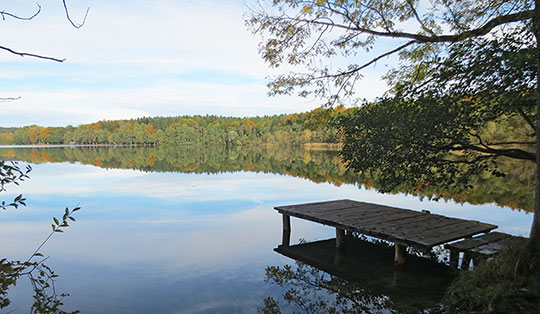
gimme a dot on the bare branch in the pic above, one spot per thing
(4, 14)
(8, 99)
(24, 54)
(76, 25)
(419, 20)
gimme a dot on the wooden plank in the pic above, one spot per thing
(372, 221)
(356, 208)
(476, 241)
(315, 219)
(460, 226)
(354, 223)
(330, 206)
(396, 220)
(423, 225)
(412, 228)
(433, 222)
(451, 233)
(347, 213)
(313, 204)
(317, 206)
(353, 218)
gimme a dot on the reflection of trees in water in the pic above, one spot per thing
(361, 278)
(42, 279)
(313, 291)
(514, 190)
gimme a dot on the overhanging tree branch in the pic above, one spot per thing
(512, 153)
(76, 25)
(513, 143)
(25, 54)
(480, 31)
(4, 14)
(7, 99)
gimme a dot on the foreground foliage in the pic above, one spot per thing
(508, 283)
(42, 278)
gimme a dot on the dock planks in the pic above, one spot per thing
(404, 227)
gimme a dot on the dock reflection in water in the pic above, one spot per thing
(358, 279)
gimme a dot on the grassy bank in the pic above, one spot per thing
(507, 283)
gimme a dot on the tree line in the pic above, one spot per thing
(291, 129)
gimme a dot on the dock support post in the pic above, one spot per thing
(400, 255)
(466, 262)
(454, 259)
(340, 237)
(286, 239)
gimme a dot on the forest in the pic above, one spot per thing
(291, 129)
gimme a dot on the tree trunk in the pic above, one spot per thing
(535, 228)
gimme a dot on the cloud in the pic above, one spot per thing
(148, 58)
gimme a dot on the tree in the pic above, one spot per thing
(462, 65)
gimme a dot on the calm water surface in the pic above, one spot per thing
(182, 242)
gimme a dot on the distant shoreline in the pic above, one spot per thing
(67, 145)
(309, 146)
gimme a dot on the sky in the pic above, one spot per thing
(140, 58)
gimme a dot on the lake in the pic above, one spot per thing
(193, 230)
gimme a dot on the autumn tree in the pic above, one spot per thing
(462, 65)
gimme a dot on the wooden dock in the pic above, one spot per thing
(480, 246)
(403, 227)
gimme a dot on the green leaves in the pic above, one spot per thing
(312, 36)
(59, 224)
(11, 173)
(42, 277)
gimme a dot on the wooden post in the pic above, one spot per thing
(466, 262)
(340, 238)
(400, 255)
(286, 239)
(454, 259)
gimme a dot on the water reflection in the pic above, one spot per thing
(42, 280)
(189, 234)
(515, 190)
(360, 279)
